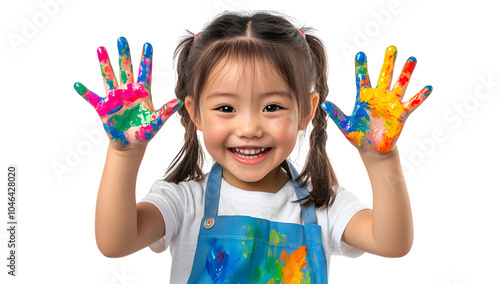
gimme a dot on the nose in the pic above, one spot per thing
(249, 126)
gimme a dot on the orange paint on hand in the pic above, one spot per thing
(355, 137)
(385, 145)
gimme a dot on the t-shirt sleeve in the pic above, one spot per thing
(170, 199)
(345, 206)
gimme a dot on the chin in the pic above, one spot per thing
(248, 178)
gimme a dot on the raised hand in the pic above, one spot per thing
(127, 111)
(379, 114)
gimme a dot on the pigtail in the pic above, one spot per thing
(318, 168)
(188, 162)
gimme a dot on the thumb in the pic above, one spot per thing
(88, 95)
(335, 114)
(168, 109)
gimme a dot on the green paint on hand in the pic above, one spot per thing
(134, 117)
(80, 88)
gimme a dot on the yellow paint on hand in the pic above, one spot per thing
(384, 104)
(384, 79)
(355, 137)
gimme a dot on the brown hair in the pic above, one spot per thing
(301, 62)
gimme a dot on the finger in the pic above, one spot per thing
(146, 132)
(335, 114)
(385, 77)
(411, 104)
(108, 76)
(89, 96)
(145, 67)
(168, 109)
(126, 73)
(403, 80)
(362, 77)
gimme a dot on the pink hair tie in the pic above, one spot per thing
(197, 35)
(302, 33)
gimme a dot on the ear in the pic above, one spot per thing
(189, 104)
(314, 105)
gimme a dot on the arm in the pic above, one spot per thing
(122, 226)
(387, 230)
(374, 127)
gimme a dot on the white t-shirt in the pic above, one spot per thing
(182, 208)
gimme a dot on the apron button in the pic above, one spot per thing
(209, 223)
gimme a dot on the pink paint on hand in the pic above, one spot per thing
(102, 54)
(126, 111)
(92, 98)
(122, 97)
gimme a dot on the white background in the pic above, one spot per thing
(57, 142)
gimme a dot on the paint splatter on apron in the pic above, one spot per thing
(242, 249)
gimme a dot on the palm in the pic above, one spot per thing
(127, 111)
(379, 114)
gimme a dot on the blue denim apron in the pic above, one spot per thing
(242, 249)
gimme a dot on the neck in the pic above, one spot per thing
(272, 182)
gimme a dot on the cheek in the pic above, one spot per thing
(285, 130)
(214, 133)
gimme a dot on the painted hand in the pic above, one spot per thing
(127, 111)
(379, 114)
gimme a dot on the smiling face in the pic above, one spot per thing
(250, 121)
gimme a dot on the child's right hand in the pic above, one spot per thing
(127, 111)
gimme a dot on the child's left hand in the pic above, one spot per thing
(379, 114)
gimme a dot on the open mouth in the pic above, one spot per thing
(249, 153)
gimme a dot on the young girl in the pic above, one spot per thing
(250, 83)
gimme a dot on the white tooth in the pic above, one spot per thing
(249, 154)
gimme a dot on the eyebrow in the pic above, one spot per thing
(216, 95)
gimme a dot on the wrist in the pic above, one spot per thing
(384, 170)
(370, 157)
(128, 154)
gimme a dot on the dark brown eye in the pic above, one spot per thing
(226, 109)
(272, 107)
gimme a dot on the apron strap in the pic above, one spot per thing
(308, 212)
(212, 194)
